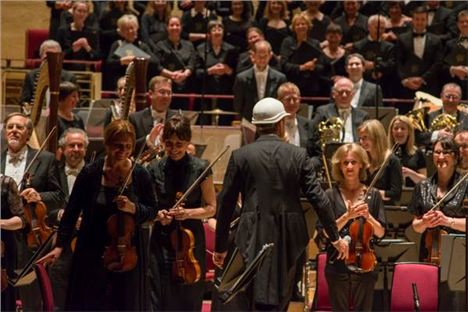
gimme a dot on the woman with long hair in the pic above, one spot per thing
(412, 159)
(373, 139)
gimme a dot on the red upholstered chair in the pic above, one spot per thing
(45, 286)
(210, 246)
(34, 39)
(426, 277)
(321, 298)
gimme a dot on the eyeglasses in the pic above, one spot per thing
(444, 152)
(344, 92)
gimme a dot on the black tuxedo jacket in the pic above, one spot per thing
(143, 123)
(44, 179)
(245, 90)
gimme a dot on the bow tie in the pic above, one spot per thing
(344, 113)
(416, 35)
(16, 157)
(431, 10)
(71, 171)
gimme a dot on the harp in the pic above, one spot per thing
(135, 85)
(48, 78)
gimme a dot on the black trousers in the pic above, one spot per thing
(348, 290)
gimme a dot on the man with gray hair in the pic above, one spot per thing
(29, 84)
(270, 174)
(73, 143)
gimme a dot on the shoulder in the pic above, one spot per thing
(248, 73)
(275, 73)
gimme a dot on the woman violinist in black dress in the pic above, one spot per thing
(171, 175)
(96, 196)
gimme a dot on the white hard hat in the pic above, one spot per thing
(268, 111)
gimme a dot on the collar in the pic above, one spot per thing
(358, 84)
(20, 155)
(263, 72)
(74, 171)
(194, 13)
(416, 34)
(158, 115)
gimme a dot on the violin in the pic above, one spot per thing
(4, 275)
(36, 216)
(361, 257)
(120, 255)
(185, 268)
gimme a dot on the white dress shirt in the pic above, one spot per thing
(15, 164)
(292, 131)
(71, 174)
(357, 93)
(419, 43)
(261, 79)
(347, 133)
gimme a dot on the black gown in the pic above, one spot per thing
(92, 287)
(390, 180)
(414, 162)
(170, 177)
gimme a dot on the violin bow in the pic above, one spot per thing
(198, 180)
(437, 205)
(51, 133)
(129, 175)
(381, 169)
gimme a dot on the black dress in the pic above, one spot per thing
(92, 286)
(343, 283)
(414, 162)
(64, 124)
(274, 36)
(235, 32)
(170, 177)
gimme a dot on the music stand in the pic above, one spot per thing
(236, 277)
(398, 219)
(389, 252)
(452, 266)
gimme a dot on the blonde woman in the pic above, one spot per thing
(349, 165)
(373, 139)
(275, 23)
(413, 162)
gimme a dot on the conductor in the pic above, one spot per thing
(270, 175)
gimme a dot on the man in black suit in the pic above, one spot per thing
(257, 82)
(419, 58)
(455, 66)
(365, 93)
(29, 84)
(297, 127)
(44, 186)
(451, 96)
(270, 174)
(441, 20)
(379, 55)
(149, 122)
(73, 143)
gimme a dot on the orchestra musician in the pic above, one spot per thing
(349, 165)
(373, 138)
(12, 219)
(69, 96)
(96, 196)
(412, 159)
(149, 121)
(461, 138)
(15, 158)
(451, 215)
(171, 175)
(115, 110)
(269, 174)
(73, 143)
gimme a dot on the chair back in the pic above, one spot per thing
(34, 39)
(321, 298)
(45, 286)
(210, 247)
(426, 278)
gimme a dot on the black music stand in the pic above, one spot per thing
(398, 219)
(389, 252)
(452, 266)
(236, 277)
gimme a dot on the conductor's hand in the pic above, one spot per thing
(218, 258)
(342, 247)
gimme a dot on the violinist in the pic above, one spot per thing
(413, 161)
(12, 219)
(73, 144)
(173, 174)
(373, 138)
(349, 165)
(451, 215)
(44, 187)
(96, 196)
